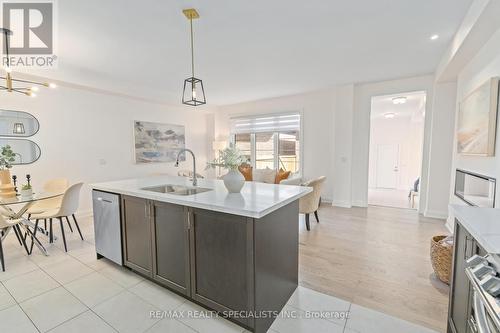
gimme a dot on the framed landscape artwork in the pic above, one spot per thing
(477, 120)
(156, 142)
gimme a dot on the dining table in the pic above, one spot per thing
(16, 207)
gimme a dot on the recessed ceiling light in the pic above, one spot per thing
(399, 100)
(434, 37)
(389, 115)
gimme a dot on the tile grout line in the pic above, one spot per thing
(20, 307)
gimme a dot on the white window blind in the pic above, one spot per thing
(267, 123)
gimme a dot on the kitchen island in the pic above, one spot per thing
(233, 253)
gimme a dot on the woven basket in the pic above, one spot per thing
(441, 256)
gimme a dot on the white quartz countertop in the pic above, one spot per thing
(482, 223)
(255, 200)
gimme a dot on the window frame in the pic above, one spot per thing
(253, 150)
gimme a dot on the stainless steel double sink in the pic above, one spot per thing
(176, 189)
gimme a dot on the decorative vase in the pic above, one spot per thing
(234, 181)
(27, 193)
(7, 190)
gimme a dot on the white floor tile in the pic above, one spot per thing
(55, 255)
(17, 267)
(127, 313)
(13, 319)
(87, 322)
(52, 308)
(365, 320)
(309, 300)
(31, 284)
(93, 289)
(292, 320)
(157, 295)
(67, 270)
(203, 323)
(170, 325)
(120, 275)
(6, 300)
(90, 259)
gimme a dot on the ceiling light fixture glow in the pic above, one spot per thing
(389, 115)
(399, 100)
(25, 87)
(434, 37)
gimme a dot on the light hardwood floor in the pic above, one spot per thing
(376, 257)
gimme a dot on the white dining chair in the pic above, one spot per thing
(69, 206)
(5, 225)
(57, 185)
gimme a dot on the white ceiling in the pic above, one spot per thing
(413, 108)
(249, 50)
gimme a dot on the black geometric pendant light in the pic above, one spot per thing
(193, 93)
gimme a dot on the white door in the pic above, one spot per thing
(387, 166)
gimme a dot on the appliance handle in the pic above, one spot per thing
(480, 315)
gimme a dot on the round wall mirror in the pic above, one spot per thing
(26, 151)
(18, 124)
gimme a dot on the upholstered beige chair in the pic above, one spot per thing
(310, 203)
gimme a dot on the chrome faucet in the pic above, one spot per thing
(195, 181)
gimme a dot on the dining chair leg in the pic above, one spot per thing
(29, 216)
(63, 235)
(307, 222)
(33, 236)
(22, 239)
(70, 228)
(77, 226)
(45, 226)
(17, 236)
(316, 216)
(51, 234)
(1, 255)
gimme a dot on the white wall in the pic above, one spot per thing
(343, 152)
(406, 132)
(87, 136)
(485, 65)
(442, 131)
(317, 123)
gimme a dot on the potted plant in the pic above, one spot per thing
(7, 156)
(230, 158)
(26, 190)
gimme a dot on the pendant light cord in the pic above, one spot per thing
(7, 47)
(192, 46)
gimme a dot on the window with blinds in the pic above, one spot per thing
(270, 141)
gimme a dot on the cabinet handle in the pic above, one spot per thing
(189, 221)
(146, 211)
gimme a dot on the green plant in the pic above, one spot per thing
(7, 156)
(230, 158)
(26, 187)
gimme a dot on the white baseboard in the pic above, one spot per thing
(342, 203)
(326, 200)
(436, 214)
(360, 203)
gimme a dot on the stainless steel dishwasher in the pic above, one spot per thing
(107, 226)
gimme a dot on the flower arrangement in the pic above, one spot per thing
(230, 158)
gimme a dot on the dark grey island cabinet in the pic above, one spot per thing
(245, 268)
(460, 305)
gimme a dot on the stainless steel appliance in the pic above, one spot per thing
(483, 275)
(107, 226)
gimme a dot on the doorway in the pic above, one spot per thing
(396, 141)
